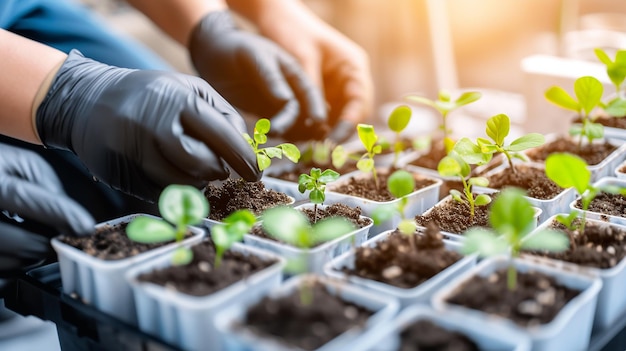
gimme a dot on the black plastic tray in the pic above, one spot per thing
(82, 327)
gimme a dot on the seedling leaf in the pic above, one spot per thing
(498, 128)
(150, 230)
(560, 97)
(547, 239)
(399, 118)
(526, 142)
(568, 170)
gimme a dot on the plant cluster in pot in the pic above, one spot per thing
(554, 308)
(363, 188)
(420, 327)
(587, 138)
(402, 263)
(609, 201)
(93, 267)
(307, 312)
(542, 192)
(177, 300)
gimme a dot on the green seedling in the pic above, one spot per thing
(291, 226)
(444, 105)
(397, 122)
(454, 166)
(180, 206)
(512, 219)
(616, 70)
(264, 155)
(497, 130)
(400, 184)
(230, 231)
(568, 170)
(365, 162)
(315, 183)
(588, 92)
(317, 153)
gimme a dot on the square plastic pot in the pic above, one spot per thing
(418, 201)
(618, 174)
(101, 282)
(598, 215)
(188, 321)
(317, 257)
(419, 294)
(611, 298)
(240, 339)
(569, 330)
(493, 338)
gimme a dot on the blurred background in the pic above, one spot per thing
(510, 50)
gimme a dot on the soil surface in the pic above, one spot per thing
(537, 299)
(454, 217)
(110, 243)
(600, 246)
(425, 335)
(533, 180)
(622, 169)
(431, 158)
(402, 262)
(200, 277)
(292, 173)
(591, 153)
(607, 121)
(365, 187)
(608, 204)
(306, 326)
(353, 214)
(237, 194)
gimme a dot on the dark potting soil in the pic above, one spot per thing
(200, 277)
(365, 187)
(431, 158)
(537, 299)
(533, 180)
(402, 262)
(110, 243)
(608, 204)
(591, 153)
(353, 214)
(600, 246)
(237, 194)
(293, 173)
(305, 326)
(454, 217)
(426, 335)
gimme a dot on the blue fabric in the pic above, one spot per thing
(67, 25)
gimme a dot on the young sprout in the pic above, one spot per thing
(497, 130)
(230, 231)
(180, 206)
(511, 218)
(616, 70)
(454, 166)
(316, 184)
(568, 170)
(397, 122)
(291, 226)
(588, 95)
(400, 184)
(368, 138)
(444, 105)
(317, 153)
(264, 155)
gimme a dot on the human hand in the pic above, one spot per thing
(256, 75)
(139, 131)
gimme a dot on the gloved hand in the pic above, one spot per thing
(30, 189)
(139, 131)
(257, 76)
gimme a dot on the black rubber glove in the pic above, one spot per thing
(257, 76)
(31, 191)
(139, 131)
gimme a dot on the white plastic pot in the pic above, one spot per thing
(420, 294)
(101, 282)
(601, 216)
(618, 174)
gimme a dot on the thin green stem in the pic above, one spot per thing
(511, 277)
(219, 253)
(467, 190)
(508, 158)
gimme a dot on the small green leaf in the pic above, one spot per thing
(449, 167)
(616, 107)
(263, 161)
(550, 240)
(399, 118)
(594, 130)
(448, 144)
(377, 149)
(367, 135)
(467, 98)
(498, 128)
(407, 227)
(422, 143)
(482, 200)
(220, 237)
(567, 220)
(317, 196)
(328, 176)
(290, 151)
(331, 228)
(365, 164)
(262, 126)
(456, 195)
(183, 204)
(482, 242)
(273, 152)
(150, 230)
(479, 181)
(249, 140)
(589, 92)
(420, 100)
(511, 213)
(260, 139)
(575, 129)
(471, 153)
(339, 157)
(383, 213)
(182, 256)
(401, 183)
(561, 98)
(568, 170)
(286, 224)
(444, 95)
(603, 57)
(526, 142)
(241, 216)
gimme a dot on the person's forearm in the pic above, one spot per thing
(177, 18)
(27, 66)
